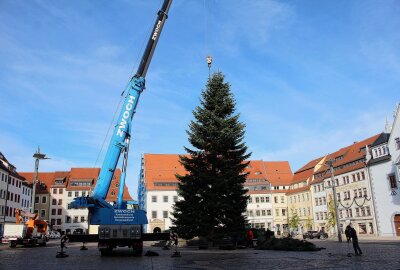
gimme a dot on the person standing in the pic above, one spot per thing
(352, 234)
(249, 237)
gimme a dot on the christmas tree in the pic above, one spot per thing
(214, 200)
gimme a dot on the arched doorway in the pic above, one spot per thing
(397, 224)
(157, 230)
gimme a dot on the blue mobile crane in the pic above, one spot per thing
(119, 226)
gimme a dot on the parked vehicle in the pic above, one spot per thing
(315, 234)
(54, 235)
(32, 233)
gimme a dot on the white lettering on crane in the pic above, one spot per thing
(155, 34)
(125, 116)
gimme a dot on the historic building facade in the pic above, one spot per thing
(266, 183)
(384, 172)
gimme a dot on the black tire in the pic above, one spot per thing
(12, 244)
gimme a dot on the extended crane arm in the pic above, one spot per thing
(120, 137)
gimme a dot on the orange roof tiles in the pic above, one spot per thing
(88, 174)
(162, 168)
(346, 155)
(297, 190)
(279, 173)
(46, 179)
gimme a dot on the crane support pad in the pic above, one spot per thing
(95, 237)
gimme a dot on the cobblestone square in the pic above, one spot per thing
(377, 254)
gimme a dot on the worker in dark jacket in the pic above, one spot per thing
(352, 234)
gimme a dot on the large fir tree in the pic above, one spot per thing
(214, 200)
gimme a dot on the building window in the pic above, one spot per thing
(67, 219)
(53, 202)
(283, 199)
(250, 200)
(277, 212)
(153, 214)
(58, 221)
(257, 200)
(83, 193)
(392, 181)
(263, 212)
(362, 228)
(76, 219)
(153, 198)
(175, 198)
(165, 214)
(82, 219)
(53, 211)
(54, 191)
(283, 212)
(69, 193)
(42, 213)
(368, 210)
(268, 212)
(165, 198)
(59, 201)
(59, 212)
(276, 199)
(257, 213)
(397, 143)
(53, 222)
(60, 191)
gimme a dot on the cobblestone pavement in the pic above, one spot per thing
(377, 255)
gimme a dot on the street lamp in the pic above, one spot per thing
(330, 164)
(37, 157)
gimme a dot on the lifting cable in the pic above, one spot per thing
(209, 57)
(122, 96)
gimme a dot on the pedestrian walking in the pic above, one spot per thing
(351, 234)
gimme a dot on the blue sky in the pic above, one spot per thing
(309, 77)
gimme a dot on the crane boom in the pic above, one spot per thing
(122, 130)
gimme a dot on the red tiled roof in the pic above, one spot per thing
(45, 179)
(279, 173)
(163, 168)
(310, 165)
(347, 155)
(89, 174)
(297, 190)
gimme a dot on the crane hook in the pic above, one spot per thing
(209, 62)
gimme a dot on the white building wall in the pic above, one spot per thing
(77, 217)
(156, 210)
(387, 200)
(14, 200)
(26, 198)
(57, 207)
(259, 211)
(319, 203)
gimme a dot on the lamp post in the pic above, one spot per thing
(330, 164)
(37, 157)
